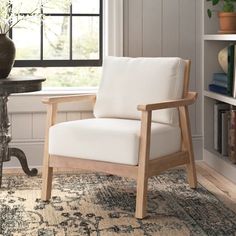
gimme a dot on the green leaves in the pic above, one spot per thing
(215, 2)
(10, 11)
(228, 6)
(209, 13)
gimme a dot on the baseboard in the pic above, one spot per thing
(34, 152)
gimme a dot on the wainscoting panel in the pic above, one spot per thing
(32, 149)
(39, 121)
(29, 131)
(167, 28)
(73, 116)
(21, 126)
(198, 65)
(134, 24)
(86, 115)
(171, 28)
(61, 117)
(152, 28)
(187, 45)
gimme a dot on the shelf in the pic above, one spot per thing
(220, 37)
(221, 165)
(220, 156)
(220, 97)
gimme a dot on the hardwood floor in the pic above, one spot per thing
(214, 182)
(221, 187)
(209, 176)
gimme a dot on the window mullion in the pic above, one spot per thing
(101, 32)
(41, 32)
(71, 39)
(41, 62)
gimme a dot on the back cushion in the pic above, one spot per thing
(128, 82)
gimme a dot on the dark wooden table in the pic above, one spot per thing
(9, 86)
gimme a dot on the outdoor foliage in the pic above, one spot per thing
(25, 17)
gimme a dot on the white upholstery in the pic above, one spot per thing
(110, 140)
(128, 82)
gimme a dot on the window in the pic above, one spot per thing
(66, 47)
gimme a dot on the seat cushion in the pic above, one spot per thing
(110, 140)
(128, 82)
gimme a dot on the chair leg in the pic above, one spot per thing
(47, 170)
(142, 180)
(187, 144)
(141, 198)
(190, 167)
(47, 183)
(191, 171)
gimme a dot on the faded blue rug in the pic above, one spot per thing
(103, 205)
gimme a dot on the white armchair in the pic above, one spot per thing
(141, 125)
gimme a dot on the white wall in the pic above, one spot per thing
(151, 28)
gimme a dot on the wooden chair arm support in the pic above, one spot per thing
(70, 98)
(190, 99)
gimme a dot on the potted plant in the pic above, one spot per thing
(227, 15)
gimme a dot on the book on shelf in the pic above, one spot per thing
(224, 121)
(224, 132)
(219, 108)
(230, 72)
(220, 79)
(218, 89)
(219, 83)
(234, 75)
(232, 136)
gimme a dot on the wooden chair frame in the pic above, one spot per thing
(145, 168)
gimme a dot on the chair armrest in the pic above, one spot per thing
(190, 99)
(70, 98)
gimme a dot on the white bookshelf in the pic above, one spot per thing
(212, 44)
(219, 37)
(220, 97)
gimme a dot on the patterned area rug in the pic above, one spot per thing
(99, 204)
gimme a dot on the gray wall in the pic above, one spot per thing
(167, 28)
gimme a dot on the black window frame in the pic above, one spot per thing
(66, 62)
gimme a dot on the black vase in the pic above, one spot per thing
(7, 55)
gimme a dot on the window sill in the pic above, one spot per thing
(32, 102)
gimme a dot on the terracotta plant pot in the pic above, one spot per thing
(7, 55)
(227, 22)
